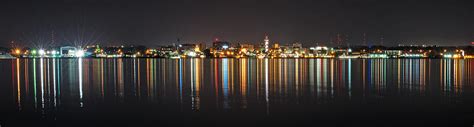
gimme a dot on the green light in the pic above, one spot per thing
(33, 52)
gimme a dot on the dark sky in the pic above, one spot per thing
(161, 22)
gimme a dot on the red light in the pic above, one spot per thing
(472, 43)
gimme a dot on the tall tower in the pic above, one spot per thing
(266, 43)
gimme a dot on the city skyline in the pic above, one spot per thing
(243, 63)
(338, 40)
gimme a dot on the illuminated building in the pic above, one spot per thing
(266, 43)
(222, 49)
(245, 50)
(376, 55)
(220, 45)
(276, 46)
(246, 46)
(297, 46)
(319, 52)
(188, 47)
(190, 50)
(453, 55)
(412, 55)
(393, 53)
(67, 51)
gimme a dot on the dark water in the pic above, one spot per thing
(236, 92)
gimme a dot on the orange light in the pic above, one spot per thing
(456, 56)
(17, 51)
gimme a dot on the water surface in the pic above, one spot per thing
(236, 92)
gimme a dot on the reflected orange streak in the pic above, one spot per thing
(216, 79)
(18, 82)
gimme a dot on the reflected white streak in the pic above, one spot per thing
(192, 84)
(80, 81)
(54, 81)
(349, 79)
(42, 83)
(266, 84)
(18, 82)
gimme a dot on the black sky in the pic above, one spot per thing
(161, 22)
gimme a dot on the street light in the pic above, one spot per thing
(80, 53)
(41, 52)
(17, 51)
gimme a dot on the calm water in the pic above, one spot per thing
(236, 92)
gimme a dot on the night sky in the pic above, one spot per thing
(162, 22)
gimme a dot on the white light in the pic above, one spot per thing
(80, 53)
(41, 52)
(448, 56)
(192, 54)
(225, 47)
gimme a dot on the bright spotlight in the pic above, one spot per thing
(80, 53)
(192, 54)
(41, 52)
(17, 51)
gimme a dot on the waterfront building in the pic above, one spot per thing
(393, 53)
(245, 50)
(67, 51)
(320, 52)
(222, 49)
(220, 45)
(190, 50)
(165, 52)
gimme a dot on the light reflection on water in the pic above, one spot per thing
(226, 84)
